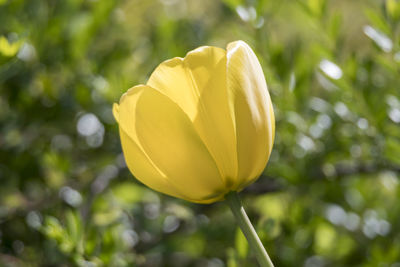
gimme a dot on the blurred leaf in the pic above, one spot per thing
(74, 228)
(233, 4)
(128, 192)
(8, 49)
(317, 7)
(241, 244)
(392, 149)
(393, 8)
(377, 20)
(325, 238)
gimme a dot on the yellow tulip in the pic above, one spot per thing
(202, 126)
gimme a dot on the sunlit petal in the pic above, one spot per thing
(197, 84)
(252, 107)
(166, 135)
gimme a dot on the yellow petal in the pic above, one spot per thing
(197, 84)
(115, 111)
(164, 133)
(143, 168)
(139, 163)
(252, 107)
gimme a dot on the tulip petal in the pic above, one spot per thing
(115, 112)
(197, 84)
(144, 169)
(140, 165)
(166, 136)
(252, 109)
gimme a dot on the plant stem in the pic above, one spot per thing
(247, 228)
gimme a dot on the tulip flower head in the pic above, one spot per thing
(202, 126)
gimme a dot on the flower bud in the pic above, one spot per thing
(202, 126)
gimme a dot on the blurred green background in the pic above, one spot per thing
(328, 197)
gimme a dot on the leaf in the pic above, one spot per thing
(8, 49)
(232, 3)
(317, 7)
(74, 229)
(128, 193)
(393, 9)
(377, 20)
(242, 247)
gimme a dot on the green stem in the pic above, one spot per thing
(243, 221)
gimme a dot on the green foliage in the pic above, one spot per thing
(328, 197)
